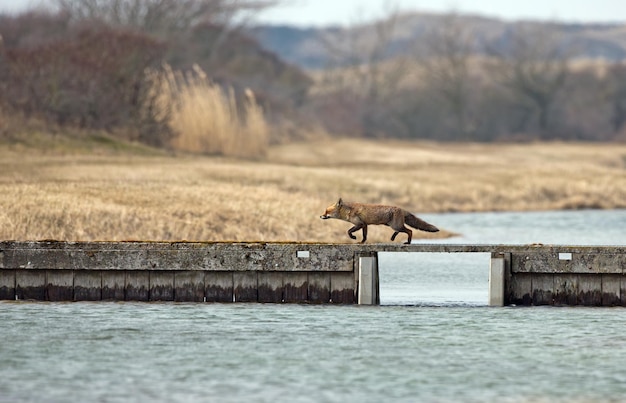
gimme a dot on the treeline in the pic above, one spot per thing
(457, 84)
(187, 74)
(120, 65)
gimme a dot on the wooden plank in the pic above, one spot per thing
(507, 275)
(87, 285)
(137, 286)
(7, 284)
(113, 284)
(296, 286)
(270, 286)
(189, 286)
(245, 286)
(219, 286)
(543, 289)
(161, 285)
(623, 290)
(30, 284)
(319, 287)
(565, 289)
(520, 289)
(342, 288)
(60, 285)
(611, 289)
(589, 290)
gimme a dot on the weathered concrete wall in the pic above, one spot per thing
(287, 272)
(591, 276)
(184, 271)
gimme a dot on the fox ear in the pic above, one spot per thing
(339, 202)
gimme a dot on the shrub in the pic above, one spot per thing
(91, 77)
(205, 117)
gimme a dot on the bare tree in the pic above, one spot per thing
(360, 69)
(533, 66)
(615, 93)
(162, 16)
(169, 19)
(446, 68)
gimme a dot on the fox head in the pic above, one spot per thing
(333, 211)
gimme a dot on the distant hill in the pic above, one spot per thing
(305, 47)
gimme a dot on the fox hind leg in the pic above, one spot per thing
(405, 230)
(410, 234)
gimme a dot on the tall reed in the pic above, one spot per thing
(206, 118)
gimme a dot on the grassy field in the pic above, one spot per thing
(111, 193)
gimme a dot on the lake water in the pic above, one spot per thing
(462, 279)
(433, 338)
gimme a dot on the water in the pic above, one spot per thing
(462, 279)
(432, 340)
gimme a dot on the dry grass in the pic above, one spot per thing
(124, 196)
(208, 119)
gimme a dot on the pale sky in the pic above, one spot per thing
(349, 12)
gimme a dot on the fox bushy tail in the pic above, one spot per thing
(417, 223)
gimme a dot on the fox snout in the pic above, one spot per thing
(331, 211)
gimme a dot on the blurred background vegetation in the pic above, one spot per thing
(199, 76)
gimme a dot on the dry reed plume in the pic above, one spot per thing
(206, 118)
(124, 196)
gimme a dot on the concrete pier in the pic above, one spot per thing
(496, 281)
(368, 290)
(292, 272)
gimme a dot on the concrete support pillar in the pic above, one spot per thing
(496, 282)
(368, 281)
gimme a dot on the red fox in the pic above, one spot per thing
(362, 215)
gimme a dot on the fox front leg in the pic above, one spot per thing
(356, 228)
(351, 230)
